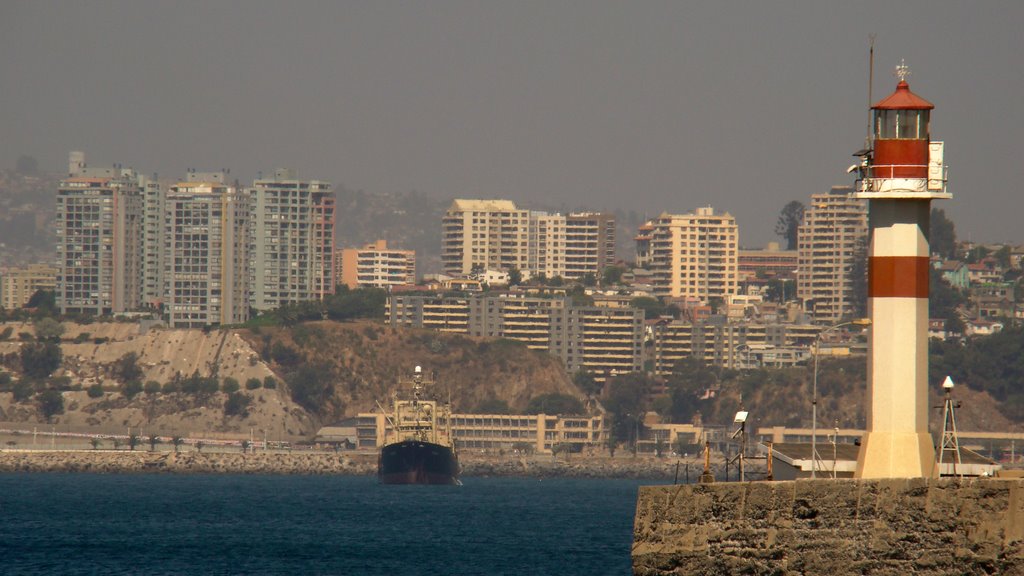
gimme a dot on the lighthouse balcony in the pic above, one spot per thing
(902, 188)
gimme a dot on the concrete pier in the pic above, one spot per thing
(920, 526)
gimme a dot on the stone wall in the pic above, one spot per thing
(832, 527)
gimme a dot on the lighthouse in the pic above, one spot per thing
(902, 173)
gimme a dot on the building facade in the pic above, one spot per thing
(292, 241)
(376, 266)
(831, 241)
(206, 233)
(480, 235)
(99, 222)
(601, 340)
(691, 255)
(18, 284)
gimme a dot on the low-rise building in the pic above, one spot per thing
(375, 266)
(493, 432)
(18, 284)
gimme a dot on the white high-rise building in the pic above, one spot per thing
(692, 255)
(205, 253)
(292, 241)
(830, 241)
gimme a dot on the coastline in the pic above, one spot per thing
(328, 463)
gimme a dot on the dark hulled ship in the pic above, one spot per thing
(418, 445)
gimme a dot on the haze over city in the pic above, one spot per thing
(606, 105)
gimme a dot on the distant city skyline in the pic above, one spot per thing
(599, 105)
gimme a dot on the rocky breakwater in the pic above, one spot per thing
(812, 527)
(126, 461)
(583, 467)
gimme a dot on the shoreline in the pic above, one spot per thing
(324, 463)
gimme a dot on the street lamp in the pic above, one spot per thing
(814, 391)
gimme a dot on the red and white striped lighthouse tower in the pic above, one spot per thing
(903, 174)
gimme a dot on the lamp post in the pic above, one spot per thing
(814, 389)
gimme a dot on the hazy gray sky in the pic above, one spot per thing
(651, 106)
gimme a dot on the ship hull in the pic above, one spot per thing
(415, 462)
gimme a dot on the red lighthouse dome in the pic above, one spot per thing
(901, 133)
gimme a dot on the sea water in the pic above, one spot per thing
(235, 524)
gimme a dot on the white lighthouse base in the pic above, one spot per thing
(896, 455)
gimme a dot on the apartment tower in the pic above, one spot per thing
(292, 241)
(691, 255)
(830, 243)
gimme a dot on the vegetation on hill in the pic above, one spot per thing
(336, 369)
(992, 364)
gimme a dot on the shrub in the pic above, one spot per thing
(5, 379)
(151, 387)
(82, 337)
(22, 390)
(95, 391)
(230, 385)
(127, 369)
(284, 355)
(253, 384)
(270, 383)
(40, 359)
(171, 387)
(6, 333)
(237, 404)
(131, 389)
(51, 402)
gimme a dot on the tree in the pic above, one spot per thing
(177, 441)
(151, 387)
(270, 383)
(493, 406)
(652, 307)
(237, 404)
(126, 368)
(612, 275)
(133, 441)
(230, 385)
(942, 235)
(44, 301)
(48, 329)
(153, 441)
(246, 445)
(253, 384)
(311, 386)
(95, 443)
(199, 446)
(515, 277)
(586, 382)
(40, 359)
(131, 389)
(589, 280)
(51, 403)
(95, 391)
(788, 225)
(554, 403)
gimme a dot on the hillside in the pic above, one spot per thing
(355, 364)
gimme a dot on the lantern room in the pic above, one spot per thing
(903, 159)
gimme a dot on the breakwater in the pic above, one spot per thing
(342, 463)
(837, 527)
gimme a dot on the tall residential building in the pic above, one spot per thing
(691, 255)
(99, 216)
(292, 242)
(589, 244)
(375, 265)
(205, 252)
(495, 235)
(17, 285)
(152, 244)
(830, 241)
(484, 234)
